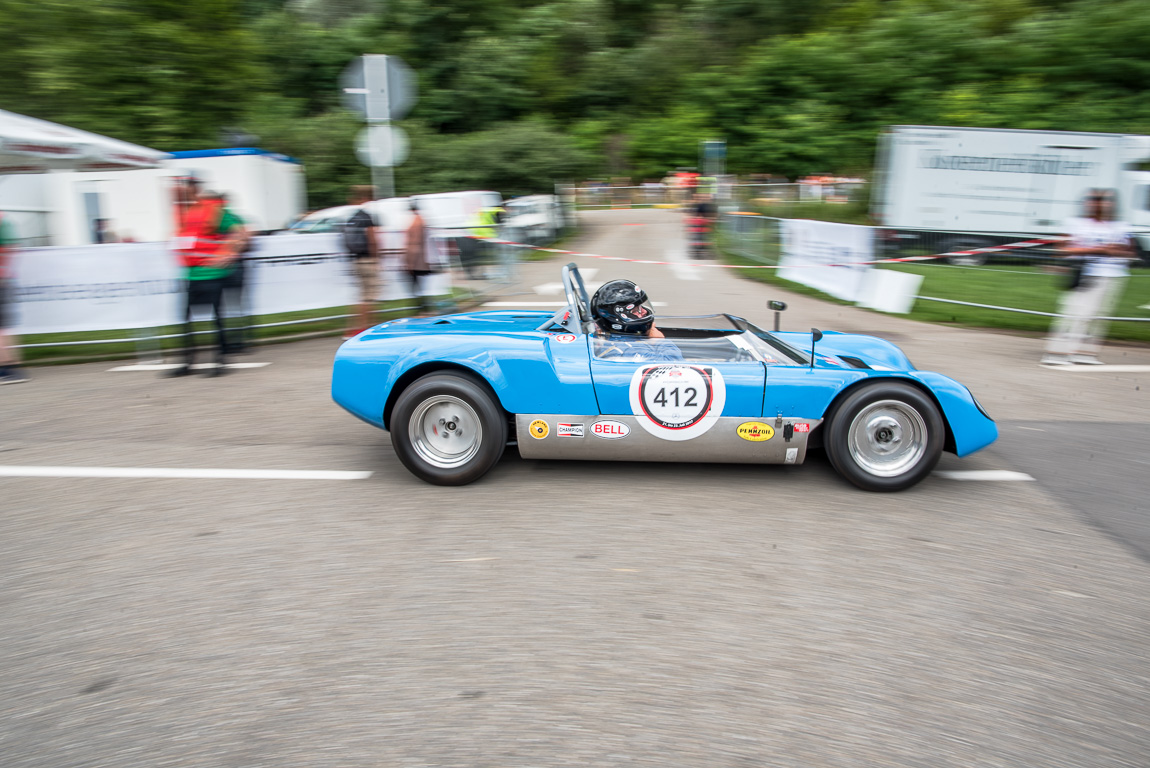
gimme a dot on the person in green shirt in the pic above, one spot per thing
(223, 238)
(9, 355)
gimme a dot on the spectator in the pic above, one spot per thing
(1105, 250)
(210, 239)
(234, 296)
(415, 257)
(9, 356)
(361, 239)
(103, 233)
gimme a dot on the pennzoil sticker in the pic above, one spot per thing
(755, 431)
(568, 430)
(538, 429)
(677, 402)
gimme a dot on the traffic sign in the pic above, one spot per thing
(378, 87)
(381, 146)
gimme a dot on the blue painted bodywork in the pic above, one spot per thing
(534, 372)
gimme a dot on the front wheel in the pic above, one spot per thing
(885, 436)
(448, 429)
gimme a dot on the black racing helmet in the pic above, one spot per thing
(620, 306)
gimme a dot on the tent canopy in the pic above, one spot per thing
(29, 145)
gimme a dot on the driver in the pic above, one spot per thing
(627, 329)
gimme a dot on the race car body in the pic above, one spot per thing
(455, 390)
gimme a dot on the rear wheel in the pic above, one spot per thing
(448, 429)
(886, 436)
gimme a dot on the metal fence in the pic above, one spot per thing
(744, 195)
(478, 269)
(759, 239)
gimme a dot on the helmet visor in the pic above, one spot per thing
(638, 313)
(633, 318)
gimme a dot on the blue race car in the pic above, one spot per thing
(454, 391)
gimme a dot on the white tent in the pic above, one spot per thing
(29, 145)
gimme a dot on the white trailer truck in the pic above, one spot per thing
(983, 186)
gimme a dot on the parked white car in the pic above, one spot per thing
(534, 219)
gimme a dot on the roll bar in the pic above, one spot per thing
(575, 316)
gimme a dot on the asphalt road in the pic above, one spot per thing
(567, 613)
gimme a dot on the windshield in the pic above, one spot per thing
(774, 344)
(720, 338)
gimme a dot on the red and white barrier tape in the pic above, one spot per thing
(971, 252)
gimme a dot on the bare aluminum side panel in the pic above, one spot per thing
(720, 444)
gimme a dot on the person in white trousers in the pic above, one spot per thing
(1105, 248)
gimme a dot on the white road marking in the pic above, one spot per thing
(556, 289)
(544, 304)
(1101, 368)
(1033, 429)
(180, 473)
(171, 366)
(998, 475)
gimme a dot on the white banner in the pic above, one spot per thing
(139, 285)
(811, 247)
(95, 288)
(292, 272)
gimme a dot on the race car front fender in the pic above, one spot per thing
(970, 425)
(811, 392)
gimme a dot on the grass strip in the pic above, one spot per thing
(1021, 287)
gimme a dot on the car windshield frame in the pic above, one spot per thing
(766, 344)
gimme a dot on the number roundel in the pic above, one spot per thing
(677, 402)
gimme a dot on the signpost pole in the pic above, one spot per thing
(382, 176)
(382, 89)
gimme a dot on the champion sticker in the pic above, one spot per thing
(565, 338)
(677, 402)
(755, 431)
(538, 429)
(568, 430)
(802, 427)
(609, 429)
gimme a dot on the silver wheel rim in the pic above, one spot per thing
(887, 438)
(445, 431)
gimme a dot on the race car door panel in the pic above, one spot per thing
(676, 391)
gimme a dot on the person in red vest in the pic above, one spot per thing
(210, 239)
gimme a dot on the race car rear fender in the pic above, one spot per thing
(524, 374)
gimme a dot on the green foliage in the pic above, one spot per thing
(562, 88)
(512, 158)
(157, 72)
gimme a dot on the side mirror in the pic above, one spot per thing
(816, 335)
(777, 306)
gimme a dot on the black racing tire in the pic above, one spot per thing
(448, 428)
(885, 436)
